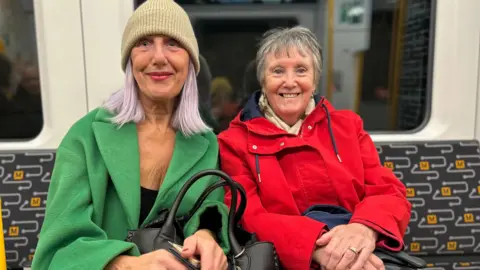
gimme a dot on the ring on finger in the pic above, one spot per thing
(354, 250)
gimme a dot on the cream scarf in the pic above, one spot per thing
(277, 121)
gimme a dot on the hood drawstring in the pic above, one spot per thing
(330, 130)
(332, 138)
(257, 168)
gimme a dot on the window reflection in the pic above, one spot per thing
(229, 48)
(20, 98)
(386, 82)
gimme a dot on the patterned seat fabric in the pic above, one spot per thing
(442, 181)
(450, 263)
(24, 180)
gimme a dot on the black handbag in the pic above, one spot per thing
(399, 260)
(246, 251)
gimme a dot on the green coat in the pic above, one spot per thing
(87, 216)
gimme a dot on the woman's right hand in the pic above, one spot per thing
(155, 260)
(372, 263)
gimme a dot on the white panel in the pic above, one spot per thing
(349, 39)
(60, 51)
(454, 91)
(474, 37)
(103, 23)
(347, 44)
(477, 126)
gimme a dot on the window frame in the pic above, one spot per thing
(447, 72)
(57, 26)
(382, 135)
(102, 42)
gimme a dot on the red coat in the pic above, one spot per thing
(332, 161)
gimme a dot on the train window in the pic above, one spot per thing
(388, 86)
(381, 63)
(20, 98)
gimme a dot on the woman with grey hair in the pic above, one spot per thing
(123, 163)
(315, 185)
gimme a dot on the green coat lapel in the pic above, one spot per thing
(187, 153)
(119, 150)
(120, 153)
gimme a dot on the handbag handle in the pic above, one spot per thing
(210, 189)
(168, 228)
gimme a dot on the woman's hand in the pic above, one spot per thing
(373, 262)
(347, 246)
(156, 260)
(203, 243)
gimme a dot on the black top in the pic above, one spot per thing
(210, 219)
(147, 200)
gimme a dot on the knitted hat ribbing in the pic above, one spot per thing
(160, 17)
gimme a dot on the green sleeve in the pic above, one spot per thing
(214, 203)
(69, 239)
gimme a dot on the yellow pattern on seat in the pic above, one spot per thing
(3, 257)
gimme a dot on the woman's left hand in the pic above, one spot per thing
(347, 246)
(211, 255)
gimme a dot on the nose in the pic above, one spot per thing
(159, 53)
(290, 80)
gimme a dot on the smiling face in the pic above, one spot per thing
(160, 67)
(289, 83)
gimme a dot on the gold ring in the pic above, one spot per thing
(354, 250)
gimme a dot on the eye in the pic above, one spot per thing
(278, 71)
(172, 43)
(301, 70)
(143, 43)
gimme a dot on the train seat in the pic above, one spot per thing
(441, 179)
(444, 190)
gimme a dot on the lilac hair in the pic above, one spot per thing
(127, 108)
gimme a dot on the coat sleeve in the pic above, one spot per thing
(293, 236)
(69, 239)
(385, 207)
(212, 215)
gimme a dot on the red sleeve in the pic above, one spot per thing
(293, 236)
(385, 207)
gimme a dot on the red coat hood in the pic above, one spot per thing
(255, 122)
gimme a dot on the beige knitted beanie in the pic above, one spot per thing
(160, 17)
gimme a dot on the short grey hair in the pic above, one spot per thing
(279, 40)
(126, 107)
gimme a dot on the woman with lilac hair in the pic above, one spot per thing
(121, 164)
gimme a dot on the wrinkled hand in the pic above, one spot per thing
(203, 244)
(374, 263)
(334, 247)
